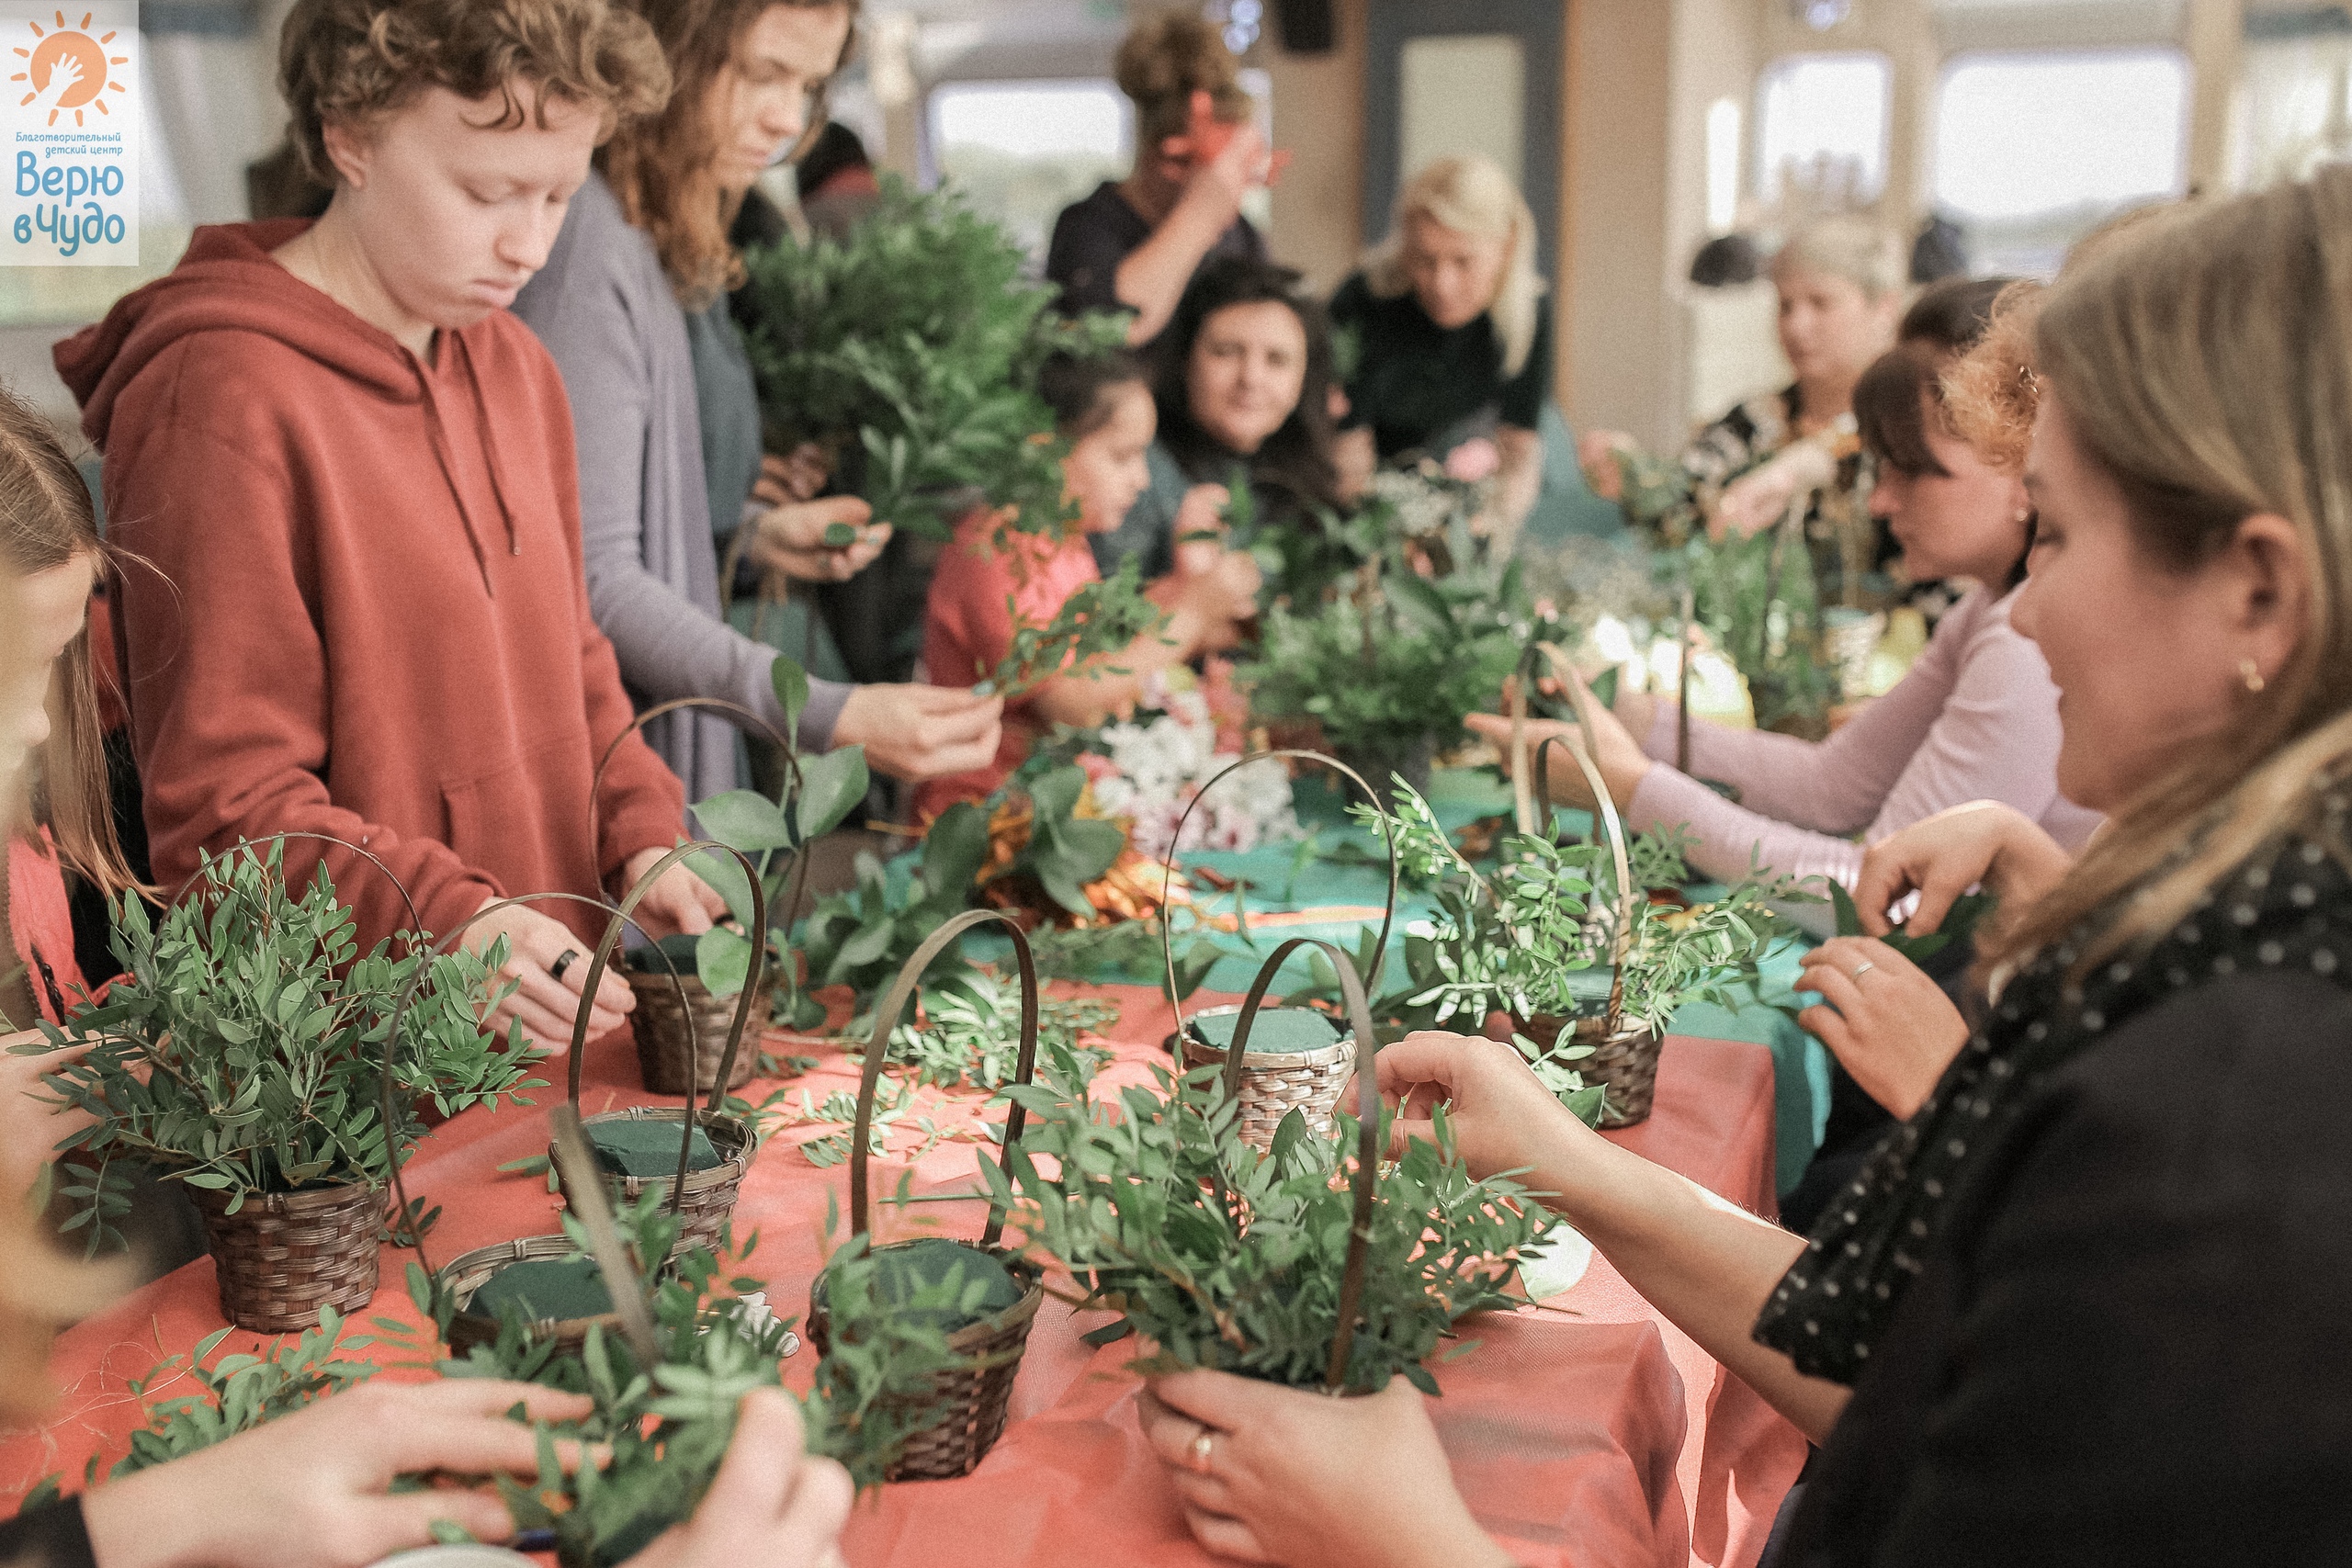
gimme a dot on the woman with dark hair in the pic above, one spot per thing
(1103, 408)
(1975, 718)
(632, 304)
(1242, 381)
(1136, 245)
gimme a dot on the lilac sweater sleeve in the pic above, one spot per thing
(1975, 719)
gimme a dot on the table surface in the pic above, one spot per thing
(1584, 1429)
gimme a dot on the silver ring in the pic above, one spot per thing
(1203, 1446)
(1861, 969)
(562, 962)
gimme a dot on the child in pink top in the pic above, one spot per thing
(1105, 409)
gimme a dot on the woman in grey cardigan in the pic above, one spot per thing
(641, 266)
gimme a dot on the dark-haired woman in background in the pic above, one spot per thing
(1137, 244)
(1243, 383)
(1102, 407)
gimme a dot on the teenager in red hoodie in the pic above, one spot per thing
(352, 471)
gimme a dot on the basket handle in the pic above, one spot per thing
(715, 705)
(585, 1189)
(1364, 1183)
(886, 1019)
(1168, 876)
(416, 982)
(415, 921)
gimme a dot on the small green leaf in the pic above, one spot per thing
(790, 683)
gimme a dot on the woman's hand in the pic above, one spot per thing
(1893, 1026)
(1623, 763)
(770, 1504)
(1199, 530)
(313, 1489)
(1597, 453)
(1941, 857)
(31, 1122)
(544, 1004)
(1762, 496)
(797, 476)
(679, 904)
(1304, 1480)
(790, 539)
(1501, 1116)
(921, 732)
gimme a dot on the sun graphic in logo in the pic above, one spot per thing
(74, 63)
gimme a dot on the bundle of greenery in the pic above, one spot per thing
(910, 351)
(1243, 1272)
(243, 1050)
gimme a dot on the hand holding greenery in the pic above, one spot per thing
(243, 1050)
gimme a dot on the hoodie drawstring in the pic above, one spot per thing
(440, 438)
(490, 450)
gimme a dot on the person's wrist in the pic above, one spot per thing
(160, 1517)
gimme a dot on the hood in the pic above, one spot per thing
(227, 281)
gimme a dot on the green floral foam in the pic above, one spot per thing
(546, 1290)
(1279, 1030)
(647, 1148)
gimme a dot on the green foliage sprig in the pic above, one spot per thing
(243, 1050)
(1394, 669)
(1252, 1285)
(970, 1033)
(915, 342)
(1105, 616)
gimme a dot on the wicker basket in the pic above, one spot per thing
(469, 1271)
(282, 1256)
(659, 1025)
(978, 1396)
(975, 1397)
(1624, 1064)
(1275, 1083)
(710, 1194)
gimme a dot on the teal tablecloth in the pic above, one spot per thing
(1278, 880)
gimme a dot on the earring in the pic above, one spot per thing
(2025, 514)
(2251, 674)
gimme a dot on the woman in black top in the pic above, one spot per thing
(1449, 333)
(1135, 245)
(1242, 380)
(2084, 1306)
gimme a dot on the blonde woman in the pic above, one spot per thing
(1452, 335)
(2084, 1306)
(1840, 283)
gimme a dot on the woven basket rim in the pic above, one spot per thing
(732, 1167)
(1261, 1061)
(1003, 1321)
(522, 1249)
(307, 1198)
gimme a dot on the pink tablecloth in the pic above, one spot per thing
(1586, 1431)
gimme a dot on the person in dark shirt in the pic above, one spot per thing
(2084, 1306)
(1135, 245)
(1450, 334)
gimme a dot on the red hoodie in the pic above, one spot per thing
(365, 614)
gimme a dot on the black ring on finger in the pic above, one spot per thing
(563, 960)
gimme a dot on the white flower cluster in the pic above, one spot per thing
(1162, 764)
(1423, 505)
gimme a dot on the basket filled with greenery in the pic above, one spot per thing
(989, 1294)
(253, 1054)
(1285, 1058)
(1315, 1262)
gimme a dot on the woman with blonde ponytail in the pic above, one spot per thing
(2083, 1306)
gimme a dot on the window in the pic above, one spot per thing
(2033, 150)
(1022, 150)
(1821, 124)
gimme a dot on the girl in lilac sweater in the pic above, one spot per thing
(1975, 719)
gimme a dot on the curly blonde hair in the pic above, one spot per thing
(353, 63)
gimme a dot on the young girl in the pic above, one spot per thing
(1104, 407)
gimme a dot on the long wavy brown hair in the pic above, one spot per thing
(2204, 360)
(662, 167)
(47, 520)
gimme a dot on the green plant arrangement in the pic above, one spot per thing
(241, 1055)
(1103, 617)
(912, 346)
(1757, 600)
(1314, 1263)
